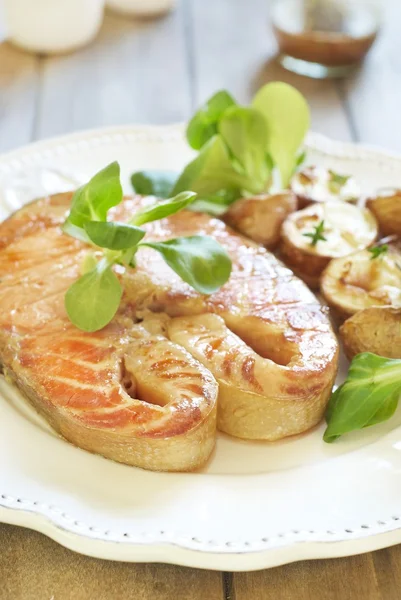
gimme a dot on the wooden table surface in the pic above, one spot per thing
(157, 71)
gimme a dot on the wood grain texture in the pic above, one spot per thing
(353, 578)
(233, 47)
(387, 565)
(33, 567)
(373, 576)
(134, 72)
(19, 83)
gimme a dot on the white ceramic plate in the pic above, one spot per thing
(256, 504)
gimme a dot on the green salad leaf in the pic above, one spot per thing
(300, 159)
(245, 134)
(211, 171)
(163, 209)
(93, 300)
(240, 146)
(286, 114)
(203, 124)
(92, 201)
(215, 204)
(113, 235)
(154, 182)
(369, 395)
(198, 260)
(241, 150)
(76, 232)
(89, 262)
(161, 183)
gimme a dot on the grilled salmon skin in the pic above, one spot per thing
(143, 390)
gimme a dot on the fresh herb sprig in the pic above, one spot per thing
(378, 250)
(93, 300)
(337, 181)
(368, 396)
(317, 234)
(240, 149)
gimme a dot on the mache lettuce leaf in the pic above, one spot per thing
(286, 114)
(368, 396)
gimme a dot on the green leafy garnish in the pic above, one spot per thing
(241, 150)
(88, 263)
(163, 209)
(203, 124)
(215, 204)
(369, 395)
(317, 234)
(161, 184)
(211, 171)
(154, 183)
(93, 300)
(92, 201)
(287, 118)
(378, 250)
(113, 235)
(245, 133)
(300, 159)
(337, 181)
(194, 260)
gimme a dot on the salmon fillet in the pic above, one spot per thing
(143, 390)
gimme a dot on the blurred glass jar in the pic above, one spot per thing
(324, 38)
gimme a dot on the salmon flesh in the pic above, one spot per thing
(258, 358)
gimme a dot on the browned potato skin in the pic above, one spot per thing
(308, 267)
(260, 217)
(376, 329)
(387, 210)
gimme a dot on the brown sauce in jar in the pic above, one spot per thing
(327, 33)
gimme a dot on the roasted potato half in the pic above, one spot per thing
(360, 281)
(376, 329)
(260, 217)
(386, 206)
(318, 184)
(343, 229)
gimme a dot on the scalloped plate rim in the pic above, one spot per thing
(12, 510)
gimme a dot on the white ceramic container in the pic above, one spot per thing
(51, 26)
(141, 8)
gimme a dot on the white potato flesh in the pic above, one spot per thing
(359, 281)
(347, 229)
(318, 184)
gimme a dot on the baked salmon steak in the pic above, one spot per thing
(144, 389)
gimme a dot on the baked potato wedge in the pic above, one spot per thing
(353, 283)
(260, 217)
(386, 206)
(376, 329)
(311, 237)
(318, 184)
